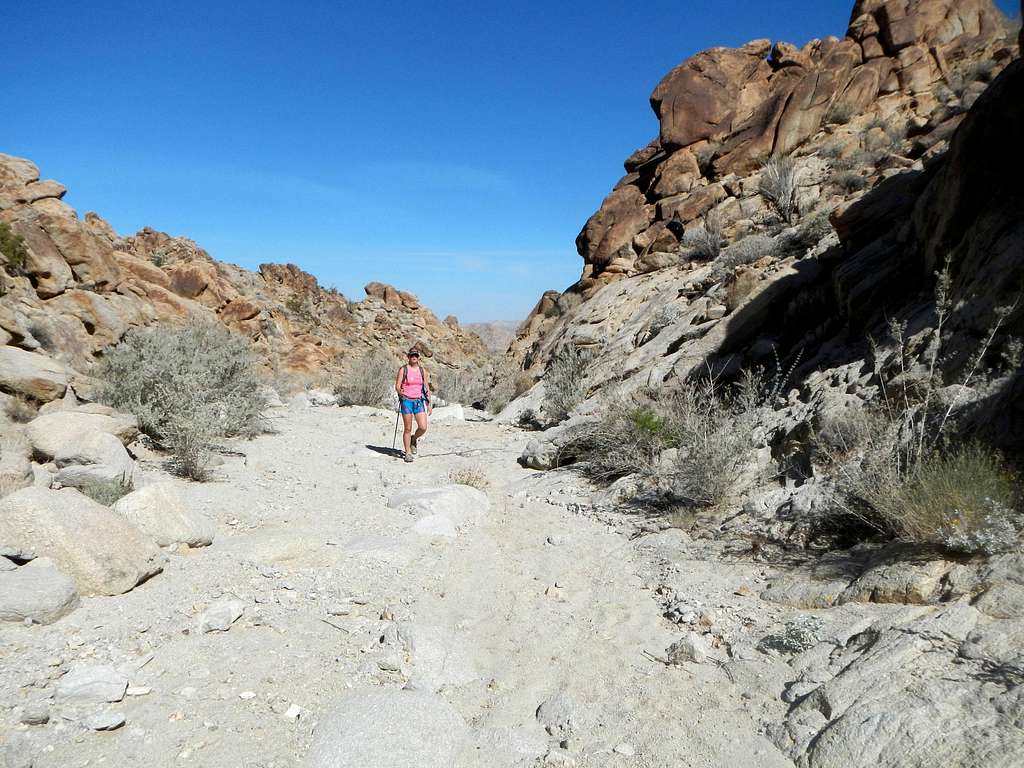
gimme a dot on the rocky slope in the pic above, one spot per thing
(895, 136)
(497, 335)
(78, 287)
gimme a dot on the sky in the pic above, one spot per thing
(453, 149)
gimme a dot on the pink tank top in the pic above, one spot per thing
(413, 387)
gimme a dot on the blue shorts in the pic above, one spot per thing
(413, 406)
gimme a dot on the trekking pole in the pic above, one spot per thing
(394, 440)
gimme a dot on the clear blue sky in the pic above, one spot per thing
(450, 148)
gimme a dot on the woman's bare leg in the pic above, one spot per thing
(421, 422)
(407, 434)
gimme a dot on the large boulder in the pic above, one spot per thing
(701, 97)
(389, 727)
(32, 374)
(159, 511)
(36, 591)
(52, 432)
(93, 456)
(103, 553)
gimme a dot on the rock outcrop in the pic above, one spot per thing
(78, 286)
(900, 155)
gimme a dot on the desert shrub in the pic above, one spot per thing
(565, 381)
(798, 635)
(778, 186)
(898, 472)
(663, 317)
(849, 181)
(106, 492)
(811, 231)
(188, 385)
(507, 383)
(470, 476)
(12, 248)
(746, 251)
(368, 380)
(894, 132)
(832, 151)
(705, 240)
(707, 428)
(463, 385)
(20, 409)
(841, 113)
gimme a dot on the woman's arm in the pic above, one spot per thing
(398, 382)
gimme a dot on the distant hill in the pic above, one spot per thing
(498, 335)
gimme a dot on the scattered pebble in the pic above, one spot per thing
(104, 721)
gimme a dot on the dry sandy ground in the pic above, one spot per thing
(536, 600)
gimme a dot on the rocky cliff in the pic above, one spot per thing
(901, 142)
(75, 286)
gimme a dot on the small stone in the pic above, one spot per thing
(220, 615)
(187, 692)
(247, 695)
(104, 721)
(624, 749)
(138, 690)
(293, 713)
(691, 648)
(339, 610)
(35, 714)
(556, 540)
(96, 684)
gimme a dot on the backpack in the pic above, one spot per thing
(423, 386)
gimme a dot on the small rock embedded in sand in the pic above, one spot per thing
(35, 714)
(292, 713)
(104, 721)
(692, 648)
(138, 690)
(624, 749)
(247, 695)
(220, 615)
(95, 684)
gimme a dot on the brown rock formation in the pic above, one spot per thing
(82, 287)
(867, 122)
(724, 111)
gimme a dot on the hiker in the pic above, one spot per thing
(413, 386)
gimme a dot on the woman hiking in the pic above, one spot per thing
(413, 386)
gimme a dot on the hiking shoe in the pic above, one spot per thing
(412, 444)
(408, 458)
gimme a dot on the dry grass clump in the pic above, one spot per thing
(840, 113)
(778, 186)
(704, 242)
(565, 382)
(188, 386)
(849, 181)
(368, 380)
(106, 492)
(746, 251)
(470, 476)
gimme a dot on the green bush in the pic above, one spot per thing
(106, 492)
(12, 248)
(188, 385)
